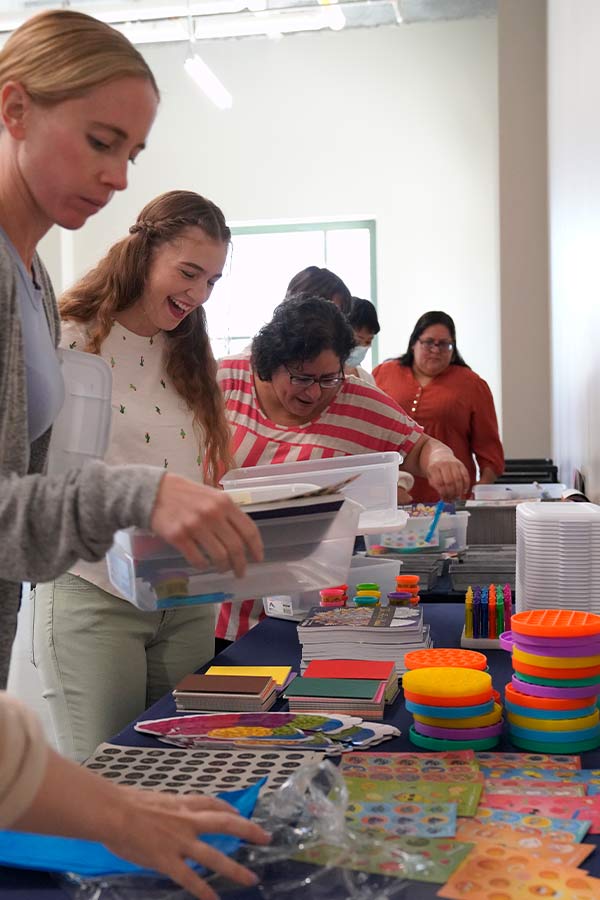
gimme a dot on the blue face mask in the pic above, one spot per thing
(357, 354)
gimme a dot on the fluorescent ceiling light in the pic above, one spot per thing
(206, 79)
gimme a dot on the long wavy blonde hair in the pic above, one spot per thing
(118, 281)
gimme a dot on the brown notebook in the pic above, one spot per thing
(223, 684)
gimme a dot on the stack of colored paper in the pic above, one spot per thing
(225, 693)
(358, 669)
(358, 697)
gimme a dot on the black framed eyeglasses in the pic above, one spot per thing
(443, 346)
(324, 381)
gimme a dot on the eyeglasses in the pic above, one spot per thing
(442, 346)
(306, 381)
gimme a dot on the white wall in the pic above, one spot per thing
(574, 160)
(395, 123)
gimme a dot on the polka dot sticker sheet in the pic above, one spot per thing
(522, 760)
(566, 852)
(422, 819)
(466, 796)
(205, 771)
(494, 872)
(560, 829)
(587, 808)
(451, 765)
(531, 787)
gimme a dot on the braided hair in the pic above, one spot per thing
(118, 281)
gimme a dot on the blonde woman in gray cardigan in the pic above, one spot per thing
(76, 104)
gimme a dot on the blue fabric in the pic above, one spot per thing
(90, 859)
(45, 382)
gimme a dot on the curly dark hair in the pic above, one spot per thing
(301, 328)
(316, 282)
(434, 317)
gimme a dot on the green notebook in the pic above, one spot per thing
(352, 688)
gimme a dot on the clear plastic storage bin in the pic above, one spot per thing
(362, 568)
(375, 488)
(450, 535)
(301, 553)
(534, 491)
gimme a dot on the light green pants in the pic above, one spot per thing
(102, 661)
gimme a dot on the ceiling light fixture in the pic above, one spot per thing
(208, 82)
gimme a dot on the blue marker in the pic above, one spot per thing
(476, 612)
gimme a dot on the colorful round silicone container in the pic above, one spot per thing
(557, 714)
(366, 601)
(573, 676)
(407, 580)
(550, 691)
(459, 734)
(450, 712)
(463, 659)
(481, 721)
(559, 647)
(555, 681)
(555, 623)
(555, 737)
(554, 725)
(399, 598)
(332, 602)
(556, 662)
(430, 743)
(559, 704)
(447, 686)
(367, 586)
(550, 747)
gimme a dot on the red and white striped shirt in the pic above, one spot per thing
(359, 419)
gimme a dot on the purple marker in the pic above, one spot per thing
(507, 606)
(477, 612)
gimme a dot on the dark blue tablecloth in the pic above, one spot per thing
(275, 642)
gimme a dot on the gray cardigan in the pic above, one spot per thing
(48, 522)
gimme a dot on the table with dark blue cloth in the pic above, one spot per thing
(275, 642)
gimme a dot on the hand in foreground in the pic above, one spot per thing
(205, 525)
(449, 477)
(160, 831)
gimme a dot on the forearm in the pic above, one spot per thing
(437, 463)
(426, 451)
(48, 522)
(487, 475)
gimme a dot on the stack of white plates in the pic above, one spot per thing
(558, 556)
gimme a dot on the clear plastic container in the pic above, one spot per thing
(451, 534)
(82, 428)
(362, 568)
(534, 491)
(302, 552)
(375, 488)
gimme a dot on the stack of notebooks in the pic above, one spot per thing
(380, 633)
(357, 687)
(225, 693)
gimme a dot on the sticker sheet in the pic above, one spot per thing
(530, 840)
(422, 819)
(492, 870)
(452, 765)
(208, 771)
(531, 787)
(466, 796)
(522, 760)
(587, 808)
(576, 828)
(583, 776)
(418, 858)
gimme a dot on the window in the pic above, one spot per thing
(264, 259)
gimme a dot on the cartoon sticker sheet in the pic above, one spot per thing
(564, 851)
(418, 858)
(587, 808)
(584, 776)
(531, 787)
(492, 870)
(576, 828)
(466, 796)
(522, 760)
(451, 765)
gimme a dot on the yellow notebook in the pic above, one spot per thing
(278, 673)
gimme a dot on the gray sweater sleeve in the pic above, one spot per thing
(48, 522)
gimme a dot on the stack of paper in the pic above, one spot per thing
(337, 695)
(368, 670)
(225, 693)
(380, 633)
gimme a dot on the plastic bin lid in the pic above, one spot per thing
(378, 521)
(81, 430)
(558, 512)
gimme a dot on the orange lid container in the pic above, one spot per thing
(440, 656)
(552, 623)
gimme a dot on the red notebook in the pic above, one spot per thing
(349, 668)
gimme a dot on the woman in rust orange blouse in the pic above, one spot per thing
(433, 383)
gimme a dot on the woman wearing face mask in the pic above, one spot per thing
(76, 105)
(290, 401)
(447, 398)
(365, 325)
(141, 309)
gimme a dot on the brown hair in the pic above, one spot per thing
(118, 281)
(59, 55)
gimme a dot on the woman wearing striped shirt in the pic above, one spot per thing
(290, 401)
